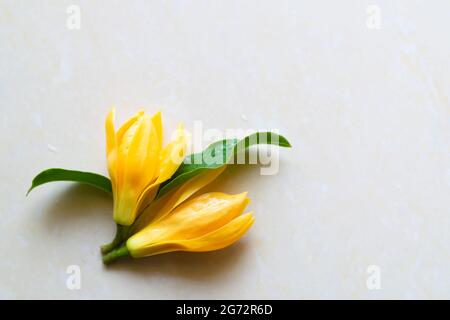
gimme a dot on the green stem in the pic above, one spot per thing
(120, 237)
(116, 254)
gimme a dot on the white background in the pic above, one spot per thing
(367, 111)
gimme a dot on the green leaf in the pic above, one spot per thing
(217, 155)
(56, 174)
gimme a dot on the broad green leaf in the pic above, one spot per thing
(57, 174)
(217, 155)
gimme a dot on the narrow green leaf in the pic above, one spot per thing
(216, 155)
(57, 174)
(264, 138)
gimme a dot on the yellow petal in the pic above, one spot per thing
(125, 139)
(170, 159)
(160, 208)
(143, 154)
(124, 206)
(215, 240)
(127, 125)
(111, 150)
(194, 218)
(110, 132)
(140, 162)
(172, 155)
(222, 237)
(157, 122)
(187, 190)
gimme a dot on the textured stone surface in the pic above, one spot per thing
(367, 111)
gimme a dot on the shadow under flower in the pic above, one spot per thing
(76, 205)
(196, 266)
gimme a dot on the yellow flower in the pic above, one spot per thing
(138, 163)
(208, 222)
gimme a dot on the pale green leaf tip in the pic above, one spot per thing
(29, 190)
(285, 143)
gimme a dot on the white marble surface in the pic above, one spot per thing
(367, 111)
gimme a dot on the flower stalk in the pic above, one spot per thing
(116, 254)
(119, 238)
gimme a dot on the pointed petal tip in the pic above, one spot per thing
(242, 194)
(249, 216)
(140, 113)
(180, 126)
(111, 113)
